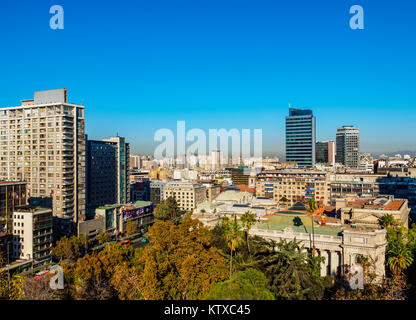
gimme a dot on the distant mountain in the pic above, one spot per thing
(392, 154)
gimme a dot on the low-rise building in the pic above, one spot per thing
(368, 212)
(293, 185)
(32, 235)
(187, 194)
(113, 218)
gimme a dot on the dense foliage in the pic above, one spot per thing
(185, 260)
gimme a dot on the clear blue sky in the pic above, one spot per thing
(141, 65)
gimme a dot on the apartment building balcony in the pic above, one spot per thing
(68, 181)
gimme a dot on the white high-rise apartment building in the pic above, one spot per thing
(42, 142)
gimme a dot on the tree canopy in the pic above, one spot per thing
(249, 284)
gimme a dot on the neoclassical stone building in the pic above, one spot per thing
(339, 250)
(340, 244)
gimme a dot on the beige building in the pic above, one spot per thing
(32, 235)
(43, 144)
(187, 194)
(158, 174)
(294, 185)
(368, 212)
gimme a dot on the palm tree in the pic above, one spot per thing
(311, 207)
(234, 237)
(399, 259)
(248, 220)
(387, 221)
(283, 199)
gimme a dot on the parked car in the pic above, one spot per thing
(125, 243)
(41, 274)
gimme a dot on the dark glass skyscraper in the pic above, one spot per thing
(300, 137)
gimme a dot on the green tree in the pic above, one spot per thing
(167, 210)
(285, 266)
(387, 221)
(399, 258)
(248, 220)
(311, 208)
(249, 284)
(234, 238)
(284, 200)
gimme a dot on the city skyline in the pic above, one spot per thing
(155, 64)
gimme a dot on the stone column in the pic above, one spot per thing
(324, 264)
(334, 262)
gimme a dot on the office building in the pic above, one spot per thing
(187, 194)
(140, 191)
(348, 146)
(325, 152)
(135, 162)
(101, 178)
(12, 196)
(123, 157)
(216, 161)
(300, 137)
(240, 175)
(293, 185)
(43, 144)
(156, 191)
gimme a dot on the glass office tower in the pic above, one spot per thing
(300, 137)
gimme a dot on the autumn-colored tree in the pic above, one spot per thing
(126, 282)
(70, 248)
(4, 281)
(167, 210)
(91, 277)
(131, 227)
(179, 263)
(103, 237)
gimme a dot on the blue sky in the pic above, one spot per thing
(139, 66)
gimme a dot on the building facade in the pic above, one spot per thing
(348, 146)
(325, 152)
(32, 235)
(187, 194)
(240, 175)
(300, 137)
(123, 158)
(43, 144)
(293, 185)
(157, 191)
(12, 196)
(101, 177)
